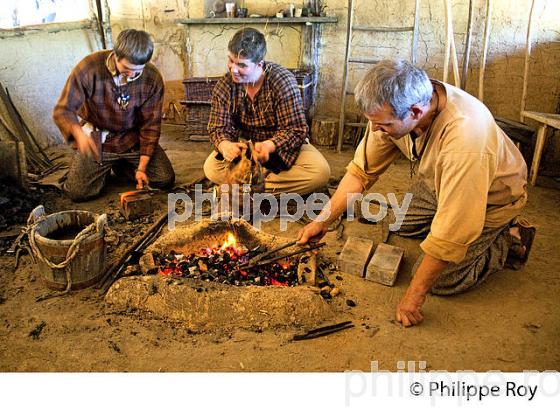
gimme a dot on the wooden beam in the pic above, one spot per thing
(259, 20)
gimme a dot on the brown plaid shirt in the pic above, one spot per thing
(91, 93)
(276, 113)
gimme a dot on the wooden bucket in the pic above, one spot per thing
(53, 236)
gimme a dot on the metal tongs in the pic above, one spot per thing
(260, 259)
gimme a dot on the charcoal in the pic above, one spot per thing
(350, 303)
(338, 277)
(222, 266)
(16, 203)
(322, 284)
(153, 289)
(114, 346)
(36, 332)
(326, 294)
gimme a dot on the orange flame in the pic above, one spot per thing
(230, 242)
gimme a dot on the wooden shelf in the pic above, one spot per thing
(260, 20)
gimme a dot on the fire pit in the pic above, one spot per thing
(189, 274)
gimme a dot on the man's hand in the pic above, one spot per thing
(140, 175)
(231, 150)
(85, 144)
(409, 309)
(141, 179)
(312, 232)
(264, 149)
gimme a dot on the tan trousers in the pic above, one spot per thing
(310, 172)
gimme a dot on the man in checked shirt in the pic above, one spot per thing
(260, 101)
(111, 109)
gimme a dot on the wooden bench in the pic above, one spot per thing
(545, 120)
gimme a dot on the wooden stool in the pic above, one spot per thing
(545, 120)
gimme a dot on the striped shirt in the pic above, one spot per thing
(90, 94)
(276, 113)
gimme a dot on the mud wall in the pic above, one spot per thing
(35, 66)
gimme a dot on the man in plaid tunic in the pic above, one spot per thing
(260, 101)
(111, 109)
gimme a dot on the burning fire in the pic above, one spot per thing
(220, 264)
(230, 242)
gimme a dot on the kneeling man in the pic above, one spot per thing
(471, 180)
(260, 101)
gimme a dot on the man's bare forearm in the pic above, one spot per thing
(143, 163)
(427, 273)
(349, 186)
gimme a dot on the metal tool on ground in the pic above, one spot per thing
(324, 331)
(272, 251)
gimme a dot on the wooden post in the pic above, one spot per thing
(447, 44)
(467, 53)
(450, 46)
(414, 56)
(541, 139)
(484, 50)
(527, 58)
(345, 75)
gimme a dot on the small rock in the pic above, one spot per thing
(350, 303)
(338, 277)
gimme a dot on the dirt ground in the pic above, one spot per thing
(510, 323)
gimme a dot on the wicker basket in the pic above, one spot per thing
(197, 114)
(198, 97)
(199, 88)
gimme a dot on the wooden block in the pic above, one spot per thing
(355, 255)
(324, 131)
(384, 265)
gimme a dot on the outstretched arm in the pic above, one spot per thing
(349, 187)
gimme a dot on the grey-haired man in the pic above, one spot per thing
(471, 184)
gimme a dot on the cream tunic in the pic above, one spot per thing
(476, 172)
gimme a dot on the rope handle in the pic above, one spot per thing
(38, 215)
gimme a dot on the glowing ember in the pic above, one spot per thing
(125, 195)
(221, 264)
